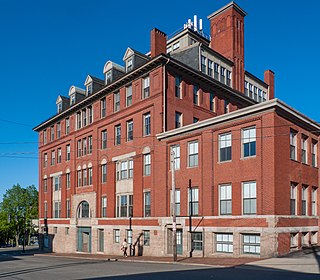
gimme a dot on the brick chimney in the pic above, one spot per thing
(269, 79)
(158, 42)
(227, 38)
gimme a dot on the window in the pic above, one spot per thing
(109, 77)
(79, 120)
(130, 168)
(44, 137)
(55, 229)
(225, 144)
(195, 120)
(83, 210)
(222, 74)
(196, 94)
(224, 242)
(90, 145)
(246, 88)
(147, 164)
(147, 124)
(176, 156)
(203, 64)
(117, 132)
(116, 235)
(116, 100)
(249, 193)
(68, 152)
(79, 173)
(59, 107)
(130, 130)
(104, 207)
(178, 119)
(101, 240)
(210, 67)
(178, 87)
(90, 176)
(103, 139)
(216, 71)
(251, 243)
(57, 209)
(129, 64)
(197, 241)
(146, 87)
(85, 177)
(90, 114)
(84, 146)
(89, 89)
(68, 208)
(146, 238)
(53, 157)
(177, 202)
(84, 117)
(45, 160)
(67, 230)
(125, 169)
(249, 142)
(314, 153)
(176, 45)
(129, 95)
(304, 200)
(68, 180)
(59, 156)
(45, 209)
(255, 93)
(193, 154)
(260, 95)
(147, 204)
(79, 148)
(304, 142)
(293, 145)
(314, 202)
(45, 185)
(56, 182)
(265, 96)
(228, 78)
(212, 105)
(52, 133)
(194, 201)
(293, 199)
(67, 126)
(225, 199)
(58, 130)
(124, 205)
(103, 108)
(103, 173)
(72, 99)
(250, 90)
(226, 106)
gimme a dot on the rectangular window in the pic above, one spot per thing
(116, 101)
(52, 133)
(255, 93)
(228, 78)
(59, 156)
(293, 145)
(84, 146)
(116, 234)
(103, 173)
(129, 64)
(265, 96)
(103, 139)
(45, 160)
(176, 45)
(246, 88)
(224, 242)
(103, 107)
(216, 71)
(123, 206)
(79, 173)
(178, 119)
(250, 90)
(146, 124)
(197, 242)
(196, 94)
(79, 148)
(304, 200)
(85, 177)
(109, 77)
(101, 240)
(58, 130)
(89, 89)
(304, 143)
(67, 126)
(45, 185)
(90, 114)
(178, 87)
(117, 133)
(68, 209)
(90, 145)
(176, 155)
(68, 180)
(249, 193)
(225, 145)
(90, 175)
(193, 201)
(84, 117)
(314, 153)
(193, 154)
(104, 207)
(130, 168)
(203, 64)
(56, 182)
(147, 164)
(212, 105)
(147, 204)
(177, 202)
(57, 209)
(79, 120)
(314, 202)
(293, 199)
(45, 208)
(260, 95)
(225, 199)
(68, 153)
(146, 238)
(251, 243)
(128, 95)
(210, 67)
(130, 130)
(249, 142)
(44, 137)
(124, 170)
(146, 87)
(222, 75)
(53, 157)
(226, 106)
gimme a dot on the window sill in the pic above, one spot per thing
(248, 157)
(225, 161)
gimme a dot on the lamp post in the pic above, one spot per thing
(190, 219)
(173, 195)
(130, 235)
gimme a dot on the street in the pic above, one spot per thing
(33, 265)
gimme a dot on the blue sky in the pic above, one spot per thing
(47, 46)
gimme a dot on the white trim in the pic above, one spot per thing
(74, 89)
(111, 65)
(89, 165)
(79, 167)
(56, 174)
(125, 156)
(104, 161)
(68, 170)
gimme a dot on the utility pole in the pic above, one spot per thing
(190, 218)
(173, 195)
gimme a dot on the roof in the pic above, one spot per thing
(90, 79)
(130, 51)
(63, 99)
(232, 4)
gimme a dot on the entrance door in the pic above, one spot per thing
(84, 239)
(179, 241)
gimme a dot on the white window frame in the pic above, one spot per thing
(193, 153)
(225, 195)
(249, 138)
(224, 243)
(249, 193)
(176, 156)
(147, 164)
(128, 95)
(225, 141)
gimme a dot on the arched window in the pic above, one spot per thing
(83, 210)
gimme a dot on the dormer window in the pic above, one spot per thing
(176, 45)
(72, 99)
(129, 64)
(59, 105)
(108, 77)
(89, 89)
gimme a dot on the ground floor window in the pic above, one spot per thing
(224, 242)
(197, 241)
(100, 240)
(251, 243)
(146, 237)
(116, 235)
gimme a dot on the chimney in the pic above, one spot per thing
(227, 38)
(269, 79)
(158, 42)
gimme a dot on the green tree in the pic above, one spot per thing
(19, 206)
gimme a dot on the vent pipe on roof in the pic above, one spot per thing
(195, 23)
(200, 24)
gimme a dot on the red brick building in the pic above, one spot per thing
(245, 163)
